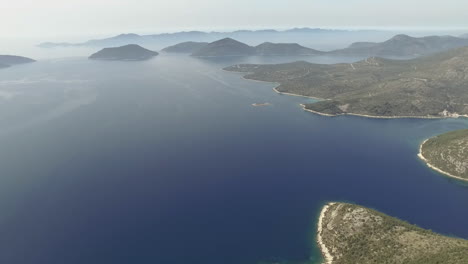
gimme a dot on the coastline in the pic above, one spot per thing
(297, 95)
(378, 117)
(346, 114)
(328, 258)
(426, 161)
(275, 88)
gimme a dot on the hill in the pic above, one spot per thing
(403, 46)
(188, 47)
(231, 47)
(284, 49)
(8, 60)
(127, 52)
(448, 154)
(350, 234)
(225, 47)
(428, 87)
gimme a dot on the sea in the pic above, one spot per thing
(166, 161)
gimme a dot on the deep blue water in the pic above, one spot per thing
(166, 161)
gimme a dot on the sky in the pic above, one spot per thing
(71, 18)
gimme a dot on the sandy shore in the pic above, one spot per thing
(420, 155)
(377, 117)
(328, 258)
(291, 94)
(315, 112)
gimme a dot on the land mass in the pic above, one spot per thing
(435, 86)
(231, 47)
(350, 234)
(447, 154)
(284, 49)
(379, 43)
(322, 38)
(9, 60)
(225, 47)
(188, 47)
(403, 46)
(130, 52)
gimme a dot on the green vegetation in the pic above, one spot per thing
(448, 153)
(354, 234)
(434, 86)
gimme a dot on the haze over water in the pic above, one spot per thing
(166, 161)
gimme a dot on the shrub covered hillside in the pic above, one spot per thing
(354, 234)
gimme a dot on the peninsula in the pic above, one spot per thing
(447, 154)
(130, 52)
(350, 234)
(403, 46)
(9, 60)
(428, 87)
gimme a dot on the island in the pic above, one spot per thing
(10, 60)
(188, 47)
(284, 49)
(225, 47)
(130, 52)
(428, 87)
(231, 47)
(350, 234)
(447, 154)
(403, 46)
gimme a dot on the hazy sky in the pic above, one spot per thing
(49, 18)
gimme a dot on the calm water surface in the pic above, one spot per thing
(166, 161)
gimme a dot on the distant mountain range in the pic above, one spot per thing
(427, 87)
(188, 47)
(130, 52)
(318, 38)
(397, 46)
(231, 47)
(403, 46)
(9, 60)
(195, 41)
